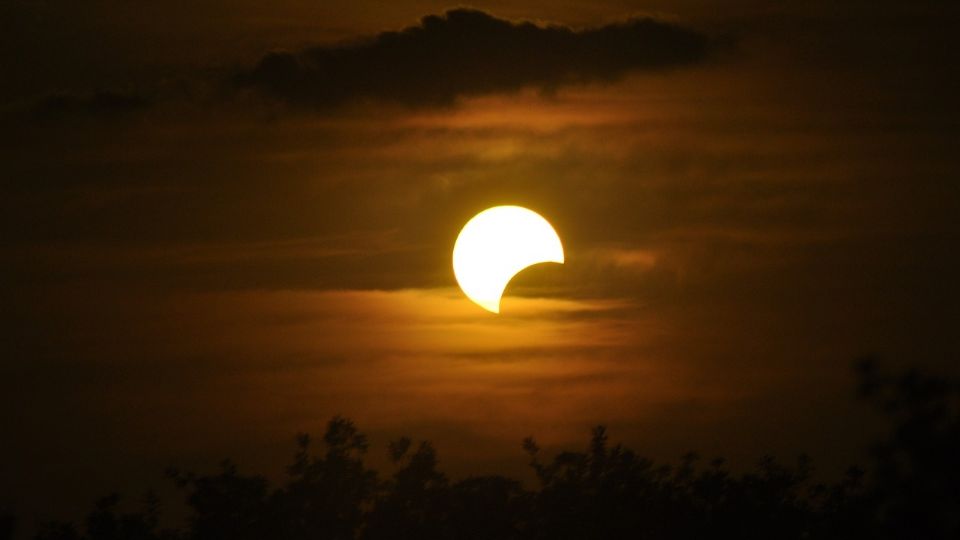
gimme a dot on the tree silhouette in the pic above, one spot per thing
(106, 523)
(916, 484)
(605, 491)
(326, 494)
(414, 503)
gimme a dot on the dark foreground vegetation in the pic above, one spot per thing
(910, 490)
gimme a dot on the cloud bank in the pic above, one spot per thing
(467, 52)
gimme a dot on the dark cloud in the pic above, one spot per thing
(468, 52)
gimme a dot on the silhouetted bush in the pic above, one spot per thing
(105, 523)
(605, 491)
(916, 485)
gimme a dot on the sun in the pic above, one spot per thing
(496, 245)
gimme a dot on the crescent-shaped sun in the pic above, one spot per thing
(496, 245)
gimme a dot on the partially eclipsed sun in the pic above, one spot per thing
(496, 245)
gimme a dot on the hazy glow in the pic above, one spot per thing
(496, 245)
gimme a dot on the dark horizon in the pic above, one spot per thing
(223, 227)
(603, 490)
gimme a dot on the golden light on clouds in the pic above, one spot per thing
(428, 355)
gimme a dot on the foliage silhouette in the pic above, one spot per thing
(606, 491)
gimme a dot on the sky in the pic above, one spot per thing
(225, 223)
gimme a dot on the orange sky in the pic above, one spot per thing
(208, 276)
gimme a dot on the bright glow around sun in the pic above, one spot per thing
(496, 245)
